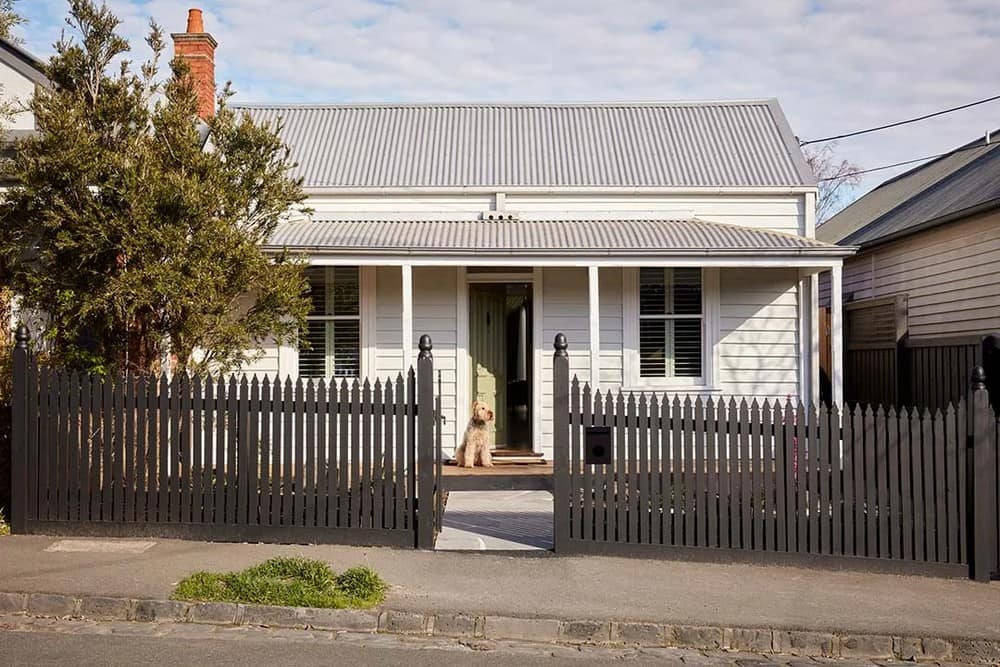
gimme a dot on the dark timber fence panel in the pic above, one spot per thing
(776, 480)
(227, 459)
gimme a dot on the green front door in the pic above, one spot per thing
(488, 352)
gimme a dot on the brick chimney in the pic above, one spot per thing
(197, 47)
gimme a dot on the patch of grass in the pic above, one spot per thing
(293, 582)
(4, 526)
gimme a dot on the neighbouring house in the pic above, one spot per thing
(20, 75)
(921, 294)
(673, 243)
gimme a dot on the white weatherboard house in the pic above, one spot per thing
(673, 244)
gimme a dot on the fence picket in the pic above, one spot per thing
(656, 466)
(895, 501)
(575, 515)
(83, 479)
(927, 461)
(881, 473)
(688, 483)
(836, 480)
(587, 419)
(400, 487)
(770, 434)
(610, 474)
(713, 432)
(825, 513)
(73, 450)
(620, 497)
(863, 424)
(847, 475)
(783, 470)
(391, 493)
(378, 471)
(131, 444)
(197, 450)
(905, 485)
(264, 479)
(309, 484)
(951, 476)
(184, 451)
(643, 515)
(916, 463)
(940, 507)
(296, 437)
(174, 476)
(318, 445)
(355, 482)
(365, 495)
(800, 484)
(678, 502)
(757, 495)
(630, 529)
(743, 521)
(250, 494)
(277, 410)
(107, 451)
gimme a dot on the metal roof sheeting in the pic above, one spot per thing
(683, 144)
(965, 179)
(648, 237)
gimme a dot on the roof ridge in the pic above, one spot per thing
(508, 104)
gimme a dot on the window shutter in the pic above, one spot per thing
(670, 322)
(333, 329)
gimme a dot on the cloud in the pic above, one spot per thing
(835, 65)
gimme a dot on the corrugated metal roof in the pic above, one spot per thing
(694, 144)
(966, 178)
(602, 237)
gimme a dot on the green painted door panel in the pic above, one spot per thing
(488, 352)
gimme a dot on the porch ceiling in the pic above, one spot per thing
(577, 238)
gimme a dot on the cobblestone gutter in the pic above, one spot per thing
(541, 630)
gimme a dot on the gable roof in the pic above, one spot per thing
(613, 145)
(961, 183)
(23, 63)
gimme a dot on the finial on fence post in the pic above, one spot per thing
(560, 345)
(425, 346)
(22, 335)
(978, 380)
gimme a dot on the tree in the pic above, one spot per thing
(137, 242)
(837, 179)
(9, 19)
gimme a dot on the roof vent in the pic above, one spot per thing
(500, 215)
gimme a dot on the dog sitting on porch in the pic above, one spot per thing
(475, 447)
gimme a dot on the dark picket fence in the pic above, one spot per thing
(771, 480)
(226, 459)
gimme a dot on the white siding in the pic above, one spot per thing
(434, 312)
(759, 327)
(776, 212)
(16, 87)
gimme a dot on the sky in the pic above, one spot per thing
(835, 66)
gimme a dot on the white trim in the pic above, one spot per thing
(407, 298)
(369, 351)
(594, 314)
(711, 334)
(814, 390)
(804, 336)
(462, 359)
(537, 333)
(570, 190)
(499, 277)
(566, 259)
(836, 336)
(809, 215)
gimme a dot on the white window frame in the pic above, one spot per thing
(710, 334)
(289, 355)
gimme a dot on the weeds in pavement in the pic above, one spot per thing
(295, 582)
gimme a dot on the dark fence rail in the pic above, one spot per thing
(644, 474)
(224, 459)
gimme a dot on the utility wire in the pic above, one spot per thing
(901, 122)
(903, 163)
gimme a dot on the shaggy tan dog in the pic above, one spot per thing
(475, 447)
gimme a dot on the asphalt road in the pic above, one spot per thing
(36, 648)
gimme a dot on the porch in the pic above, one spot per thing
(679, 305)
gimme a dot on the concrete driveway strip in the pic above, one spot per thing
(550, 586)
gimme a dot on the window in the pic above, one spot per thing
(333, 330)
(670, 323)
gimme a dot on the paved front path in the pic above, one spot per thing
(29, 641)
(550, 586)
(496, 521)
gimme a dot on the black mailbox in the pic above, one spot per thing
(597, 448)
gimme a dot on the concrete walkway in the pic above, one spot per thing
(548, 586)
(496, 521)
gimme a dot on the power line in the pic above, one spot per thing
(901, 164)
(901, 122)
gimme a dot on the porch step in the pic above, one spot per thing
(511, 459)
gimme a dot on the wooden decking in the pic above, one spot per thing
(501, 477)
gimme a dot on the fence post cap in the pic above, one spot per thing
(978, 380)
(560, 345)
(425, 346)
(22, 335)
